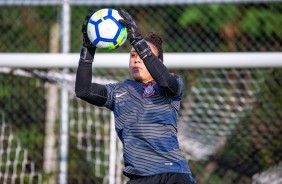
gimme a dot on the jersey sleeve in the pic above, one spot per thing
(93, 93)
(175, 103)
(110, 96)
(161, 75)
(180, 85)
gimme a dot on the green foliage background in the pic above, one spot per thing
(185, 28)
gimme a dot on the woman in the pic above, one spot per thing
(145, 108)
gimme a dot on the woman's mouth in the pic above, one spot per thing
(135, 70)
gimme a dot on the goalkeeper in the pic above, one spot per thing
(145, 108)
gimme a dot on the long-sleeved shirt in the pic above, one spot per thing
(145, 117)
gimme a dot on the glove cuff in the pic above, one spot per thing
(142, 48)
(87, 54)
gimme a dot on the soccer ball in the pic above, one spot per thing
(104, 30)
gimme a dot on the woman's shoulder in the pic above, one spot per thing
(123, 84)
(131, 82)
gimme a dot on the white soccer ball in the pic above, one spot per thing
(104, 30)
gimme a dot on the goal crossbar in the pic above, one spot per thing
(120, 60)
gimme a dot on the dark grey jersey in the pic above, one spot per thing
(146, 123)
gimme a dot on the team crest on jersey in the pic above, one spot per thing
(149, 90)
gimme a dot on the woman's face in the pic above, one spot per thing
(137, 68)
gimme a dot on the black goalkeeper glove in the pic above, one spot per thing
(135, 37)
(88, 49)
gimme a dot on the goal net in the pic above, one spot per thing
(15, 163)
(229, 125)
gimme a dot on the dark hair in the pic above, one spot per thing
(157, 41)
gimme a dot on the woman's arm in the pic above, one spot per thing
(93, 93)
(161, 75)
(156, 68)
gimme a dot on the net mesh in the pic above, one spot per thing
(91, 133)
(231, 113)
(229, 125)
(15, 164)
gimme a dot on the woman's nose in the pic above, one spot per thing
(137, 59)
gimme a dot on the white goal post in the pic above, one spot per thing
(120, 60)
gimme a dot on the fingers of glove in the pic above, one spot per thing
(124, 14)
(83, 28)
(85, 39)
(89, 15)
(130, 23)
(125, 23)
(84, 25)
